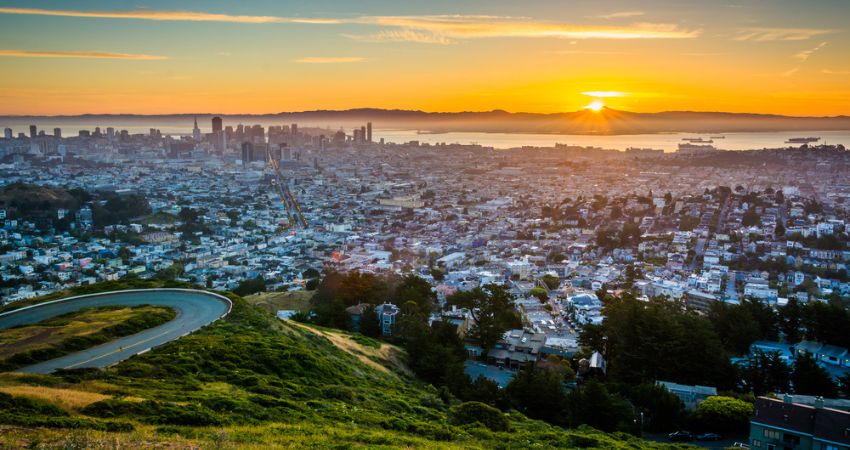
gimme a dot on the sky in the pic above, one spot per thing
(157, 57)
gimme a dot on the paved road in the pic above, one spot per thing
(698, 251)
(195, 309)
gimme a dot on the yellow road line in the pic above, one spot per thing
(120, 350)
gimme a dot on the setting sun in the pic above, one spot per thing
(595, 105)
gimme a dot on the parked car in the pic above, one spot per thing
(709, 437)
(680, 436)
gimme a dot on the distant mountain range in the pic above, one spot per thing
(606, 121)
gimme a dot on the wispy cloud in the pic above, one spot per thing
(835, 72)
(780, 34)
(790, 72)
(804, 55)
(589, 52)
(605, 94)
(79, 54)
(329, 59)
(472, 27)
(183, 16)
(621, 14)
(439, 29)
(400, 36)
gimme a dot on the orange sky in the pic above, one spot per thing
(261, 57)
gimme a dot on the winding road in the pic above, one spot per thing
(195, 309)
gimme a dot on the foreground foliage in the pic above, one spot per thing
(251, 380)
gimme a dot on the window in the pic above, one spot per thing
(772, 434)
(831, 447)
(756, 443)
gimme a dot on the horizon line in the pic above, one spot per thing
(400, 110)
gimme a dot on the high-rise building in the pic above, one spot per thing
(218, 136)
(294, 130)
(33, 131)
(216, 124)
(362, 134)
(7, 133)
(57, 132)
(369, 132)
(110, 133)
(247, 152)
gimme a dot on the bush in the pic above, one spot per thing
(472, 412)
(720, 413)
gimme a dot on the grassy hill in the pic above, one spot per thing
(276, 301)
(251, 381)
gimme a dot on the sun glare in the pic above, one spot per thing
(595, 105)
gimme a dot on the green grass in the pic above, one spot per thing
(252, 381)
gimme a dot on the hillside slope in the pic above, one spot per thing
(251, 381)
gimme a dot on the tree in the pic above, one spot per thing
(763, 373)
(663, 410)
(538, 393)
(370, 324)
(593, 405)
(725, 414)
(417, 290)
(327, 305)
(125, 254)
(551, 281)
(738, 326)
(539, 292)
(809, 378)
(358, 287)
(252, 286)
(751, 217)
(658, 340)
(790, 319)
(436, 355)
(492, 311)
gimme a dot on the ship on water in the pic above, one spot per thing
(698, 140)
(802, 140)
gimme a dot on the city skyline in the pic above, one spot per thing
(776, 57)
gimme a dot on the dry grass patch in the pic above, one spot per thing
(276, 301)
(69, 399)
(383, 358)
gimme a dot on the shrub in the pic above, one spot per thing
(724, 414)
(472, 412)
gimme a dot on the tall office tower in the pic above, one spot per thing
(216, 124)
(110, 133)
(287, 153)
(369, 132)
(362, 134)
(57, 132)
(218, 138)
(33, 131)
(247, 152)
(294, 130)
(7, 133)
(196, 132)
(96, 131)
